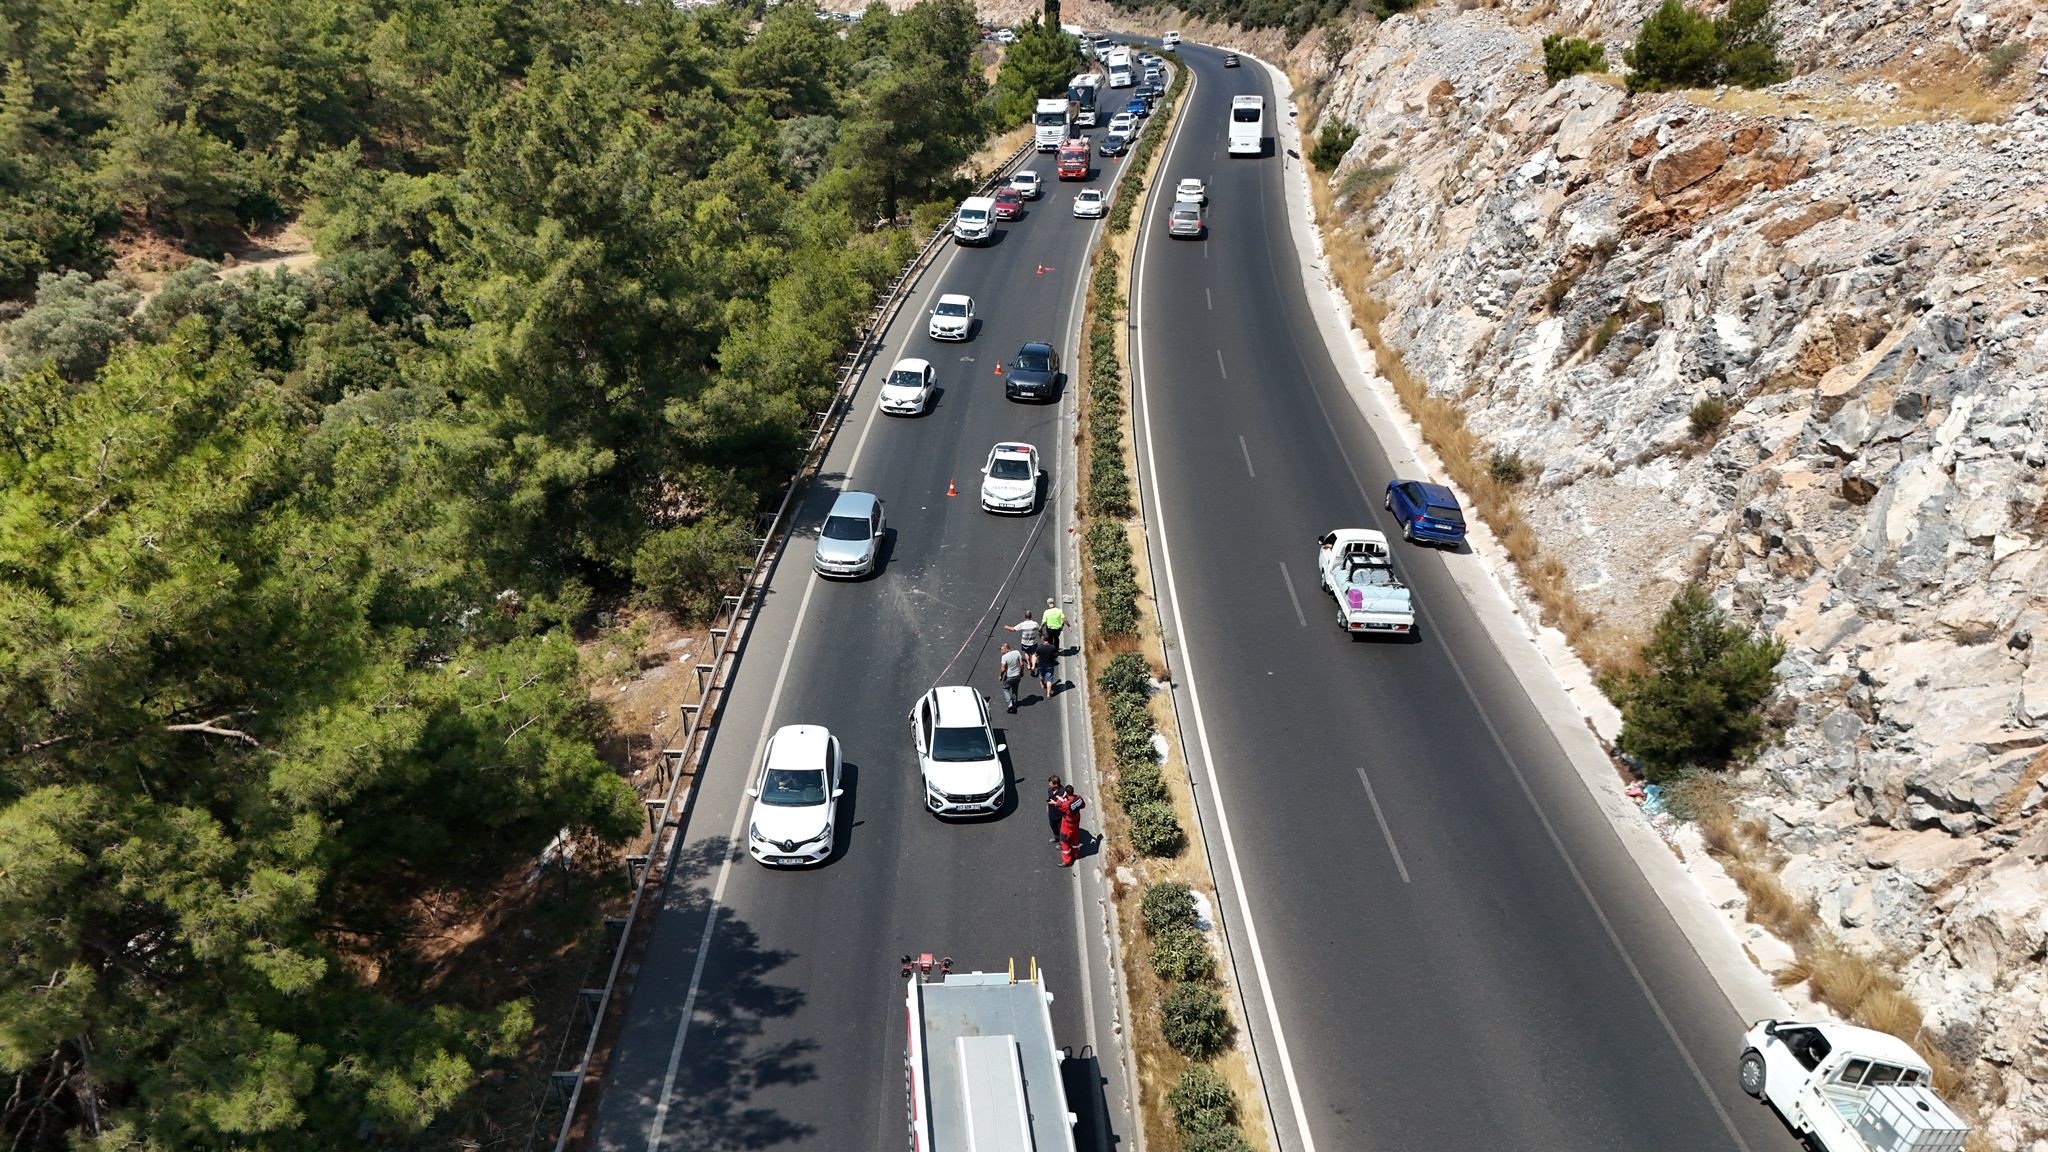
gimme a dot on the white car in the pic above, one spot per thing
(952, 317)
(1191, 189)
(1005, 36)
(796, 796)
(1009, 481)
(907, 390)
(1123, 124)
(1026, 184)
(1089, 204)
(957, 753)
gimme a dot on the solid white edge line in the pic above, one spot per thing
(1308, 1141)
(717, 905)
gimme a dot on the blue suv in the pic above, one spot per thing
(1426, 512)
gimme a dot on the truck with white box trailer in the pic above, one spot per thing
(981, 1070)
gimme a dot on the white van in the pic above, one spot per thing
(975, 222)
(1171, 40)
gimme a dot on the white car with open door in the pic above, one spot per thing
(907, 389)
(1009, 481)
(796, 797)
(957, 753)
(952, 318)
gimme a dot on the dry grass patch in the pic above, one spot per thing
(999, 148)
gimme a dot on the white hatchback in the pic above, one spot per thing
(1088, 203)
(957, 753)
(907, 390)
(1026, 184)
(796, 797)
(1009, 481)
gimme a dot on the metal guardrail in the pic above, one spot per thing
(682, 749)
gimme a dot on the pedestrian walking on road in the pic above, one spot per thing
(1070, 824)
(1027, 632)
(1010, 669)
(1055, 808)
(1048, 666)
(1053, 621)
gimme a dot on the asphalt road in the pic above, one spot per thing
(790, 992)
(1460, 952)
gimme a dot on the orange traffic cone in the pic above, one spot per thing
(999, 367)
(950, 490)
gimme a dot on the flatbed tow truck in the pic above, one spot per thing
(981, 1071)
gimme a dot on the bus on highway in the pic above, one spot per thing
(1247, 125)
(1082, 92)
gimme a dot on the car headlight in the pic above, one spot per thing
(754, 830)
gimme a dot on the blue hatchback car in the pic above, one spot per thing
(1426, 512)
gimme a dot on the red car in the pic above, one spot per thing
(1009, 205)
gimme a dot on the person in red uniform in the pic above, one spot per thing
(1070, 805)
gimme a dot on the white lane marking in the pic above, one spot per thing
(1382, 818)
(1288, 579)
(1211, 299)
(1246, 449)
(1308, 1140)
(1219, 365)
(1557, 842)
(711, 914)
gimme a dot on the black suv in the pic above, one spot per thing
(1035, 375)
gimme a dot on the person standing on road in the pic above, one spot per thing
(1048, 666)
(1055, 806)
(1070, 824)
(1027, 633)
(1053, 621)
(1010, 669)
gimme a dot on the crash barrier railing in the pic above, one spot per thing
(683, 745)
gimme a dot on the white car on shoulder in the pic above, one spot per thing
(952, 318)
(1026, 184)
(1191, 189)
(957, 753)
(796, 797)
(907, 390)
(1089, 204)
(1009, 481)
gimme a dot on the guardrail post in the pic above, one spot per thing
(614, 931)
(703, 679)
(654, 808)
(587, 1000)
(636, 867)
(562, 1084)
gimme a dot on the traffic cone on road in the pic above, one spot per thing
(950, 490)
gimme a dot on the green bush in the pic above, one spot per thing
(1116, 580)
(1140, 784)
(1567, 56)
(1182, 954)
(1681, 48)
(1201, 1102)
(2000, 61)
(1109, 481)
(1133, 747)
(1156, 831)
(76, 323)
(1698, 701)
(1127, 673)
(1215, 1140)
(688, 570)
(1166, 906)
(1332, 144)
(1507, 467)
(1127, 710)
(1193, 1021)
(1707, 416)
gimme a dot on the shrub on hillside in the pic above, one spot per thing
(1707, 416)
(1201, 1102)
(1193, 1021)
(1156, 831)
(1183, 954)
(687, 570)
(76, 323)
(1681, 48)
(1698, 700)
(1567, 56)
(1167, 905)
(1332, 145)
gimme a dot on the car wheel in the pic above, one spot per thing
(1752, 1073)
(1408, 531)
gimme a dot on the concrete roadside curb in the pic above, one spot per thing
(1559, 686)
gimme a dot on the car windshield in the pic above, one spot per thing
(1010, 468)
(903, 378)
(1047, 118)
(1033, 361)
(1088, 197)
(972, 213)
(956, 744)
(792, 787)
(845, 528)
(1443, 512)
(950, 309)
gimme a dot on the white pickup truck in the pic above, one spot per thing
(1358, 572)
(1848, 1089)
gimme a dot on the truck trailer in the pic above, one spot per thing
(981, 1070)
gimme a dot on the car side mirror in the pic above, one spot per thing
(754, 792)
(1002, 747)
(838, 792)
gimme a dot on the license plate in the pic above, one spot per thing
(789, 860)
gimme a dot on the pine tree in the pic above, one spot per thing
(1697, 703)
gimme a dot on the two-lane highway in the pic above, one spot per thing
(1458, 951)
(768, 1012)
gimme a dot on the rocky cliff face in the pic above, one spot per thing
(1854, 267)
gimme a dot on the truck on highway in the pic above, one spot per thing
(1847, 1089)
(981, 1069)
(1083, 95)
(1073, 161)
(1119, 67)
(1358, 573)
(1049, 124)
